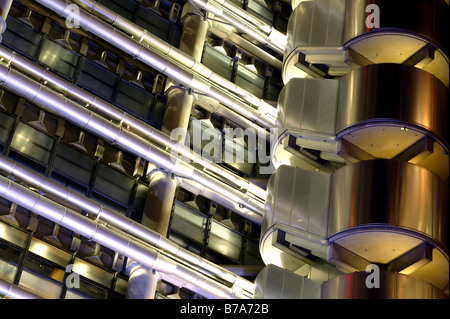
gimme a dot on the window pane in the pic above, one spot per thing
(97, 79)
(217, 62)
(58, 58)
(45, 288)
(125, 8)
(73, 164)
(21, 38)
(13, 235)
(153, 23)
(188, 222)
(134, 100)
(6, 124)
(92, 272)
(113, 184)
(29, 141)
(249, 80)
(260, 12)
(225, 241)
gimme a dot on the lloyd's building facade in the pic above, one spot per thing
(215, 149)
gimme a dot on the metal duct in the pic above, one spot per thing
(389, 111)
(385, 212)
(274, 39)
(332, 37)
(113, 218)
(143, 129)
(168, 51)
(124, 245)
(161, 64)
(115, 134)
(10, 291)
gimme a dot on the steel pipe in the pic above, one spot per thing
(274, 40)
(161, 64)
(10, 291)
(136, 125)
(124, 245)
(164, 49)
(113, 218)
(115, 134)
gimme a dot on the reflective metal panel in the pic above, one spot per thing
(394, 93)
(421, 17)
(386, 192)
(33, 143)
(391, 286)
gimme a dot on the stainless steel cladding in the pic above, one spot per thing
(392, 286)
(393, 92)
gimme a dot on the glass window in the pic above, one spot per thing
(125, 8)
(134, 100)
(273, 91)
(9, 258)
(175, 36)
(260, 12)
(40, 285)
(114, 184)
(238, 156)
(73, 164)
(249, 80)
(152, 22)
(51, 253)
(218, 62)
(92, 272)
(205, 140)
(97, 79)
(252, 255)
(189, 223)
(58, 58)
(31, 142)
(13, 235)
(21, 38)
(73, 294)
(225, 241)
(6, 124)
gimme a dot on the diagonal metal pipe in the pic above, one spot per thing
(175, 55)
(115, 219)
(143, 129)
(115, 134)
(124, 245)
(173, 70)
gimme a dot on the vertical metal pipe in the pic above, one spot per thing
(162, 187)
